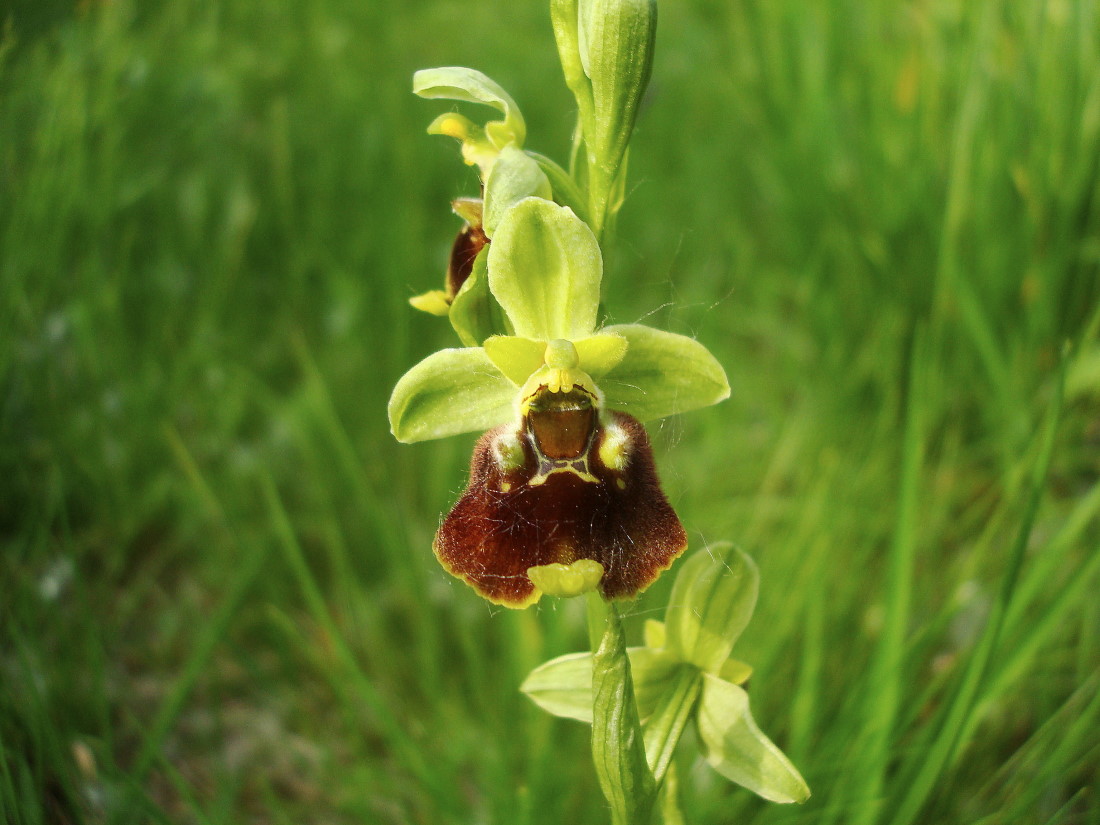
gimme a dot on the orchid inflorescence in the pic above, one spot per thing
(563, 496)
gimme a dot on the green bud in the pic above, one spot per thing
(606, 52)
(616, 40)
(712, 601)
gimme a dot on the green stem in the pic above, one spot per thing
(618, 753)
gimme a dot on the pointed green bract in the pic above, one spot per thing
(517, 358)
(514, 177)
(470, 85)
(662, 374)
(601, 353)
(474, 313)
(735, 747)
(545, 269)
(450, 392)
(563, 686)
(712, 601)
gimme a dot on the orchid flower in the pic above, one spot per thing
(563, 493)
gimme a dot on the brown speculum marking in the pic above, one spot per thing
(562, 426)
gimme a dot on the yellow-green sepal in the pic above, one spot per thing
(563, 686)
(514, 176)
(732, 670)
(450, 392)
(711, 603)
(736, 748)
(545, 269)
(474, 312)
(662, 374)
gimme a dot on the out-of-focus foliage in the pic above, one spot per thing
(217, 594)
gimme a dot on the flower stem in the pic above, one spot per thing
(618, 753)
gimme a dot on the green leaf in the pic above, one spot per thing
(475, 314)
(470, 85)
(563, 686)
(736, 748)
(662, 374)
(451, 391)
(712, 600)
(514, 176)
(618, 753)
(545, 269)
(517, 358)
(601, 353)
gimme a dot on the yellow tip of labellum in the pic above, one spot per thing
(565, 580)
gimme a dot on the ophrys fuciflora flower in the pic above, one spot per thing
(564, 475)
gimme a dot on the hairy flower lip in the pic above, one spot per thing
(506, 523)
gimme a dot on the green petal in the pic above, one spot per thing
(514, 177)
(517, 358)
(711, 602)
(433, 302)
(451, 391)
(662, 374)
(470, 85)
(736, 748)
(654, 633)
(545, 269)
(477, 149)
(563, 686)
(599, 354)
(735, 671)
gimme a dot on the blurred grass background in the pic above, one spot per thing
(218, 601)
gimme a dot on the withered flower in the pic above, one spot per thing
(565, 476)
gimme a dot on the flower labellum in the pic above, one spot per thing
(563, 488)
